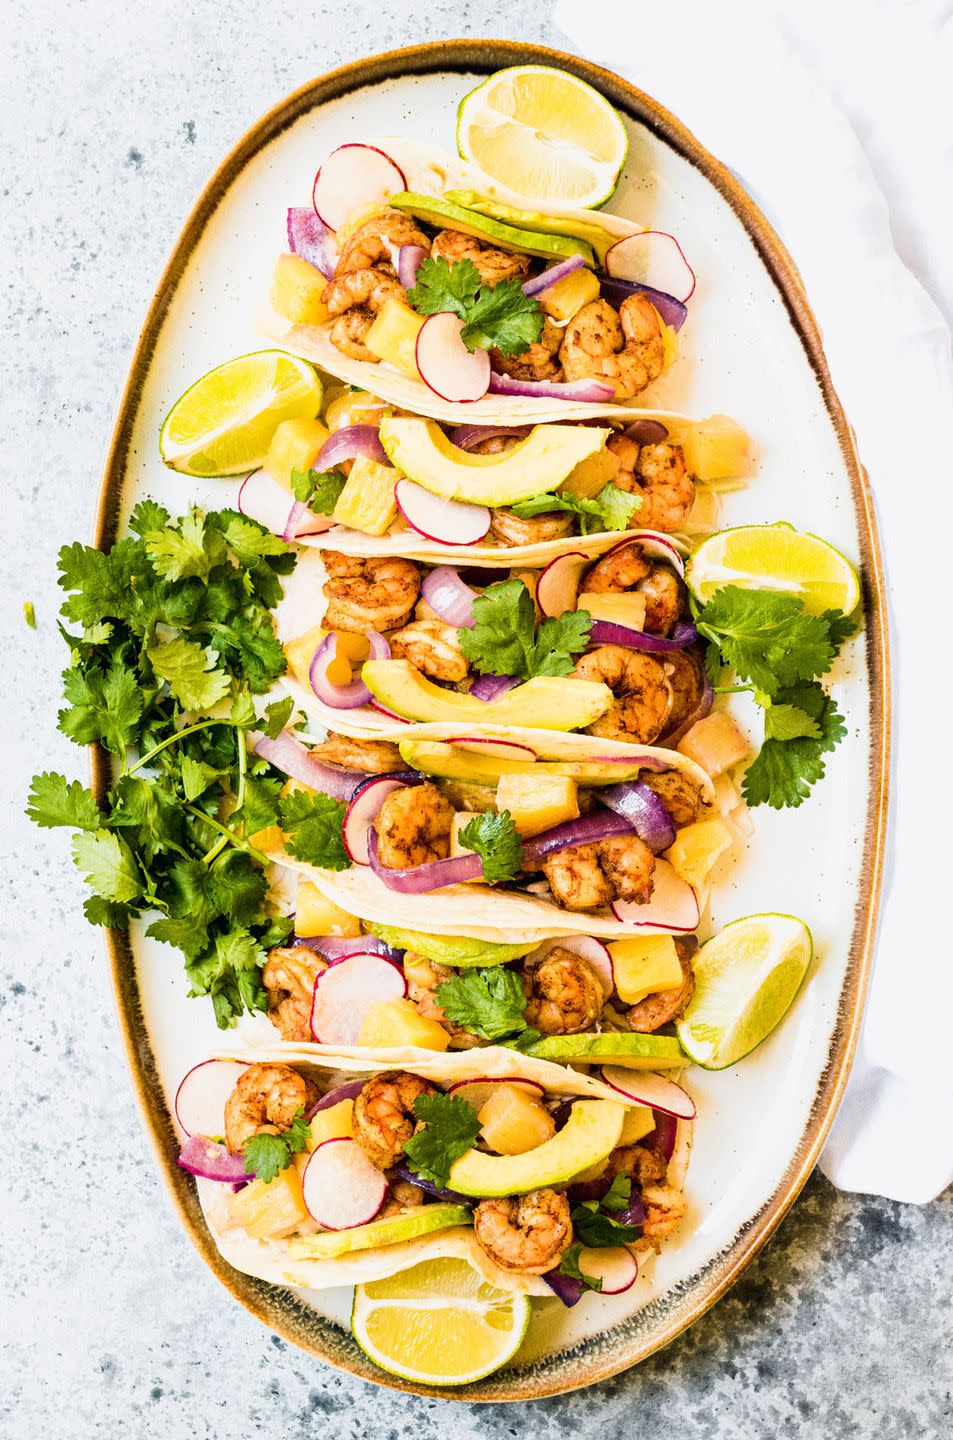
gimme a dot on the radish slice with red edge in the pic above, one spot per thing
(673, 907)
(391, 714)
(645, 1087)
(359, 816)
(588, 948)
(261, 498)
(615, 1266)
(200, 1098)
(449, 522)
(477, 1092)
(352, 177)
(493, 749)
(446, 366)
(557, 588)
(345, 992)
(340, 1186)
(654, 258)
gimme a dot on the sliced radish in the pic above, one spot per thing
(449, 522)
(652, 258)
(478, 1092)
(341, 1187)
(673, 906)
(345, 992)
(446, 366)
(557, 588)
(200, 1098)
(588, 948)
(391, 714)
(615, 1266)
(494, 749)
(261, 498)
(647, 1088)
(360, 813)
(352, 177)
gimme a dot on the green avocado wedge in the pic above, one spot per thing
(588, 232)
(449, 762)
(590, 1134)
(551, 702)
(455, 950)
(392, 1231)
(448, 216)
(637, 1052)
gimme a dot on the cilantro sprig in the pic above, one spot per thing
(320, 490)
(504, 640)
(494, 837)
(449, 1130)
(489, 1003)
(497, 316)
(595, 1229)
(267, 1155)
(611, 509)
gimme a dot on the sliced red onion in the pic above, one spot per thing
(705, 702)
(662, 1138)
(646, 432)
(606, 632)
(586, 391)
(404, 1172)
(335, 947)
(491, 687)
(350, 1091)
(584, 1190)
(466, 436)
(355, 693)
(565, 1287)
(538, 283)
(421, 879)
(448, 596)
(409, 260)
(291, 757)
(202, 1156)
(634, 1212)
(587, 830)
(638, 803)
(309, 237)
(351, 442)
(672, 311)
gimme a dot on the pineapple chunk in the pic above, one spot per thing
(625, 607)
(715, 743)
(297, 291)
(269, 1211)
(537, 802)
(300, 652)
(568, 295)
(367, 501)
(316, 915)
(644, 964)
(513, 1122)
(639, 1121)
(295, 445)
(335, 1123)
(352, 407)
(393, 337)
(268, 840)
(696, 850)
(591, 474)
(398, 1022)
(717, 449)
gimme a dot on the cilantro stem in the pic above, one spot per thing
(173, 740)
(242, 758)
(734, 689)
(230, 835)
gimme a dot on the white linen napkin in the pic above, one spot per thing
(753, 86)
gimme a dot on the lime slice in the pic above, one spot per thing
(745, 979)
(438, 1323)
(544, 134)
(775, 557)
(224, 423)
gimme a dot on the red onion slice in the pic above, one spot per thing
(409, 260)
(606, 632)
(672, 311)
(404, 1172)
(421, 879)
(662, 1138)
(202, 1156)
(291, 757)
(342, 697)
(350, 1091)
(448, 596)
(335, 947)
(491, 687)
(638, 803)
(351, 442)
(646, 432)
(466, 436)
(587, 830)
(564, 1287)
(538, 283)
(586, 391)
(309, 237)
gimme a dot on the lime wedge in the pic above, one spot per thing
(544, 134)
(745, 979)
(438, 1323)
(224, 423)
(775, 557)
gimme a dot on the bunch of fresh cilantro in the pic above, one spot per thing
(171, 638)
(497, 316)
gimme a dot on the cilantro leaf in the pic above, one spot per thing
(55, 801)
(489, 1003)
(503, 639)
(789, 722)
(767, 638)
(267, 1155)
(440, 286)
(185, 549)
(495, 839)
(312, 825)
(320, 490)
(618, 1195)
(148, 516)
(611, 509)
(101, 706)
(276, 717)
(249, 540)
(559, 640)
(450, 1128)
(191, 672)
(597, 1231)
(784, 771)
(495, 316)
(108, 865)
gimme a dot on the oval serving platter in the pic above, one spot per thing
(752, 350)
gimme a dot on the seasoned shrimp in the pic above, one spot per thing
(369, 594)
(643, 693)
(374, 757)
(265, 1101)
(423, 977)
(564, 995)
(529, 1233)
(289, 976)
(509, 527)
(383, 1119)
(354, 298)
(659, 476)
(664, 1208)
(622, 568)
(413, 827)
(495, 444)
(349, 330)
(537, 362)
(678, 793)
(434, 647)
(401, 1196)
(583, 877)
(643, 1165)
(627, 568)
(623, 349)
(685, 670)
(494, 265)
(377, 241)
(666, 1005)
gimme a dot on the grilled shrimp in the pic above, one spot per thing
(423, 977)
(623, 349)
(354, 298)
(413, 827)
(537, 362)
(664, 1208)
(658, 474)
(627, 568)
(643, 1165)
(374, 757)
(494, 265)
(265, 1100)
(495, 444)
(685, 670)
(349, 330)
(584, 877)
(434, 647)
(529, 1233)
(383, 1119)
(289, 976)
(377, 241)
(369, 594)
(509, 527)
(643, 693)
(666, 1005)
(401, 1196)
(678, 793)
(564, 995)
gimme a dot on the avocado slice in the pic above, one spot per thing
(594, 235)
(449, 216)
(420, 450)
(590, 1134)
(455, 950)
(552, 702)
(396, 1228)
(638, 1052)
(441, 758)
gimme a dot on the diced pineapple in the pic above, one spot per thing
(295, 445)
(697, 848)
(717, 449)
(367, 501)
(352, 407)
(399, 1022)
(715, 743)
(644, 964)
(335, 1123)
(669, 342)
(639, 1121)
(297, 289)
(268, 840)
(568, 295)
(591, 474)
(300, 652)
(513, 1122)
(537, 802)
(623, 607)
(316, 915)
(269, 1211)
(393, 337)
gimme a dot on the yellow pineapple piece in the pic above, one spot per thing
(591, 474)
(638, 1122)
(718, 449)
(537, 802)
(513, 1122)
(697, 848)
(316, 915)
(352, 407)
(715, 743)
(643, 964)
(625, 607)
(272, 1210)
(297, 290)
(393, 337)
(567, 296)
(335, 1123)
(300, 652)
(398, 1022)
(295, 445)
(367, 501)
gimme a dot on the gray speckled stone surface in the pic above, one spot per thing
(112, 116)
